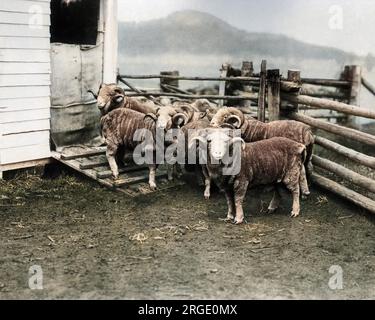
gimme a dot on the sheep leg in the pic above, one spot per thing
(152, 177)
(240, 188)
(292, 183)
(170, 169)
(111, 157)
(275, 202)
(308, 162)
(207, 183)
(230, 202)
(303, 183)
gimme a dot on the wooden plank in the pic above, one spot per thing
(19, 104)
(110, 50)
(24, 43)
(92, 153)
(327, 82)
(25, 139)
(26, 6)
(24, 68)
(16, 155)
(331, 105)
(27, 115)
(24, 55)
(367, 84)
(133, 180)
(20, 80)
(347, 174)
(93, 164)
(25, 126)
(346, 152)
(108, 173)
(322, 113)
(223, 74)
(344, 192)
(249, 96)
(252, 80)
(24, 92)
(273, 84)
(334, 128)
(262, 92)
(354, 76)
(25, 164)
(15, 30)
(247, 70)
(24, 18)
(74, 164)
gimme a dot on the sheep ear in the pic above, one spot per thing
(151, 116)
(238, 139)
(119, 99)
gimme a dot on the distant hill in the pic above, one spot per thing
(198, 33)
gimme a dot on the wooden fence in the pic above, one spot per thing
(268, 96)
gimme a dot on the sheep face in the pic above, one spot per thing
(220, 117)
(164, 118)
(232, 117)
(218, 142)
(110, 97)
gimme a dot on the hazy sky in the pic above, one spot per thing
(345, 24)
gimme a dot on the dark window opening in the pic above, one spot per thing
(75, 21)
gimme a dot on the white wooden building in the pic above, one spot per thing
(45, 75)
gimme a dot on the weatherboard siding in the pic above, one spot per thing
(25, 79)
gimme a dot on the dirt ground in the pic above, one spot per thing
(95, 243)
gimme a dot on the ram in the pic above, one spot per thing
(111, 97)
(276, 161)
(253, 130)
(119, 128)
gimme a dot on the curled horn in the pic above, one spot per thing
(238, 139)
(228, 126)
(237, 112)
(94, 94)
(193, 140)
(235, 121)
(177, 119)
(189, 110)
(151, 116)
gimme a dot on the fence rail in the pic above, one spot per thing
(284, 97)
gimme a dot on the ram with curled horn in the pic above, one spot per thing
(111, 97)
(275, 162)
(253, 130)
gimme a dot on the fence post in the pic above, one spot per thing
(273, 85)
(223, 74)
(353, 74)
(295, 76)
(247, 70)
(262, 92)
(169, 82)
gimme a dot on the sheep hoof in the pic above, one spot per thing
(294, 214)
(207, 196)
(229, 218)
(116, 177)
(153, 186)
(238, 222)
(305, 195)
